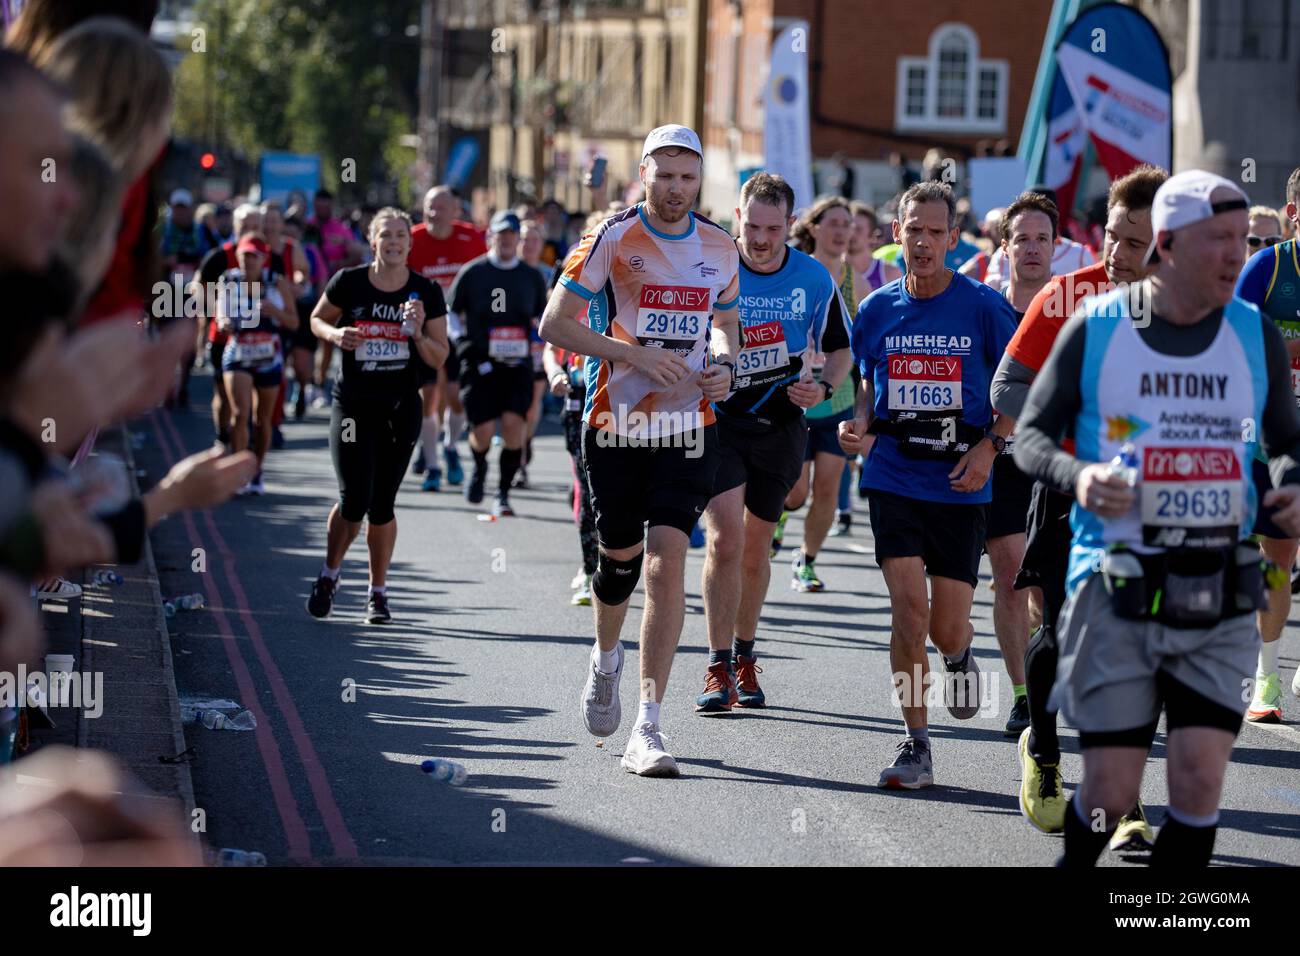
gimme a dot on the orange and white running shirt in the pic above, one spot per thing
(661, 291)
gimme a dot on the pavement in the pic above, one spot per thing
(484, 663)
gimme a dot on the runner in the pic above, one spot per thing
(649, 442)
(248, 220)
(302, 352)
(1067, 256)
(1270, 282)
(790, 309)
(375, 314)
(1028, 231)
(870, 274)
(1162, 577)
(498, 298)
(530, 251)
(1047, 547)
(927, 346)
(182, 248)
(1265, 230)
(334, 239)
(440, 246)
(824, 233)
(288, 260)
(253, 306)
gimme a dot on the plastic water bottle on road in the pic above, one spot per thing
(228, 856)
(105, 577)
(216, 720)
(187, 602)
(446, 770)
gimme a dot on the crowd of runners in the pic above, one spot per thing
(1117, 432)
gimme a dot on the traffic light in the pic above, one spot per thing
(208, 161)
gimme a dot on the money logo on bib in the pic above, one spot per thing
(925, 386)
(382, 342)
(1192, 497)
(508, 343)
(672, 316)
(765, 357)
(255, 347)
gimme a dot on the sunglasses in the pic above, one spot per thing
(1256, 241)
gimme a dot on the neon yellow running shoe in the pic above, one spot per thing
(1041, 799)
(1266, 708)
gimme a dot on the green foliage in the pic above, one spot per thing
(335, 77)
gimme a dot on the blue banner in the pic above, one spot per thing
(282, 173)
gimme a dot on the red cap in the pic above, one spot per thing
(253, 244)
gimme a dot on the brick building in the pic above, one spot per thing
(883, 78)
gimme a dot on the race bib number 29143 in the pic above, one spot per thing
(673, 317)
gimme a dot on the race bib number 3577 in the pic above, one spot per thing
(673, 316)
(925, 384)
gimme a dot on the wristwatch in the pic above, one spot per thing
(731, 365)
(830, 390)
(999, 443)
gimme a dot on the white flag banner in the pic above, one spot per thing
(787, 149)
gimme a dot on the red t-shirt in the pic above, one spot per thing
(118, 291)
(440, 259)
(1049, 309)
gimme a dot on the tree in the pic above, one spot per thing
(317, 76)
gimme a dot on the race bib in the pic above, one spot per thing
(383, 342)
(928, 385)
(537, 349)
(765, 357)
(1295, 379)
(505, 344)
(1191, 497)
(253, 348)
(672, 316)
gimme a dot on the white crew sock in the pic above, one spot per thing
(647, 713)
(1268, 658)
(606, 661)
(430, 435)
(455, 425)
(332, 573)
(379, 590)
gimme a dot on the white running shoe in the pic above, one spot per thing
(58, 589)
(645, 754)
(578, 580)
(1295, 683)
(582, 596)
(601, 710)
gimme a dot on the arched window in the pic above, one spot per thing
(951, 88)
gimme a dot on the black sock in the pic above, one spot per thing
(1083, 844)
(808, 558)
(510, 459)
(744, 648)
(480, 463)
(1183, 846)
(528, 452)
(721, 657)
(1040, 675)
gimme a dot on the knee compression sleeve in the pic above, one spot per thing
(614, 580)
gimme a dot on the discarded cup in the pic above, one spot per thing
(216, 720)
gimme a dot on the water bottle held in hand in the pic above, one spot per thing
(1125, 465)
(408, 317)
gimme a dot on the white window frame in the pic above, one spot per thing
(931, 121)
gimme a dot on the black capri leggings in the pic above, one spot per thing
(371, 441)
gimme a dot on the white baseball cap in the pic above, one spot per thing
(181, 197)
(672, 135)
(1184, 199)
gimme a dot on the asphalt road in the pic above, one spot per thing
(484, 663)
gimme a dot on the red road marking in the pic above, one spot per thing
(331, 816)
(295, 831)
